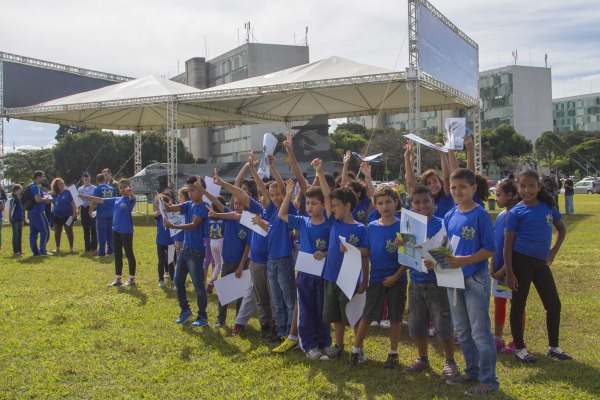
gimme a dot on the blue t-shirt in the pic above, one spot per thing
(478, 200)
(194, 238)
(384, 255)
(444, 204)
(122, 208)
(374, 215)
(62, 204)
(259, 249)
(533, 225)
(355, 234)
(36, 190)
(499, 229)
(215, 228)
(235, 239)
(279, 239)
(313, 237)
(179, 236)
(475, 230)
(17, 213)
(433, 227)
(360, 211)
(163, 235)
(106, 192)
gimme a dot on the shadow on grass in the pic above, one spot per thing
(571, 221)
(134, 291)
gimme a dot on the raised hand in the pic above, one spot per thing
(468, 141)
(290, 185)
(409, 149)
(317, 164)
(211, 212)
(217, 179)
(198, 184)
(287, 143)
(365, 168)
(271, 160)
(347, 156)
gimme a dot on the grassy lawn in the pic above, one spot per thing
(65, 334)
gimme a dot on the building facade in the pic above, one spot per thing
(577, 113)
(230, 144)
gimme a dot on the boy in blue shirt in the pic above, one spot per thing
(38, 222)
(428, 301)
(343, 201)
(313, 229)
(387, 280)
(470, 306)
(104, 216)
(163, 241)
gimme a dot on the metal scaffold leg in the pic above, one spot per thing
(137, 151)
(172, 141)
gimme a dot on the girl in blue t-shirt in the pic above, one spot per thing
(215, 235)
(163, 242)
(184, 196)
(527, 258)
(506, 196)
(64, 213)
(16, 215)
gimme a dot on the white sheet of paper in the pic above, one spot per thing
(350, 269)
(355, 307)
(422, 141)
(368, 158)
(69, 221)
(211, 187)
(246, 220)
(170, 253)
(455, 130)
(231, 288)
(307, 263)
(415, 224)
(75, 194)
(269, 145)
(453, 278)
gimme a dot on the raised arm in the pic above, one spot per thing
(228, 215)
(262, 188)
(365, 168)
(208, 195)
(91, 199)
(280, 184)
(317, 164)
(285, 205)
(409, 159)
(347, 158)
(448, 166)
(288, 144)
(470, 149)
(236, 191)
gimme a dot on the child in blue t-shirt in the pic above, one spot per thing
(17, 217)
(387, 279)
(163, 242)
(122, 229)
(428, 301)
(470, 306)
(343, 201)
(215, 234)
(184, 196)
(315, 335)
(527, 258)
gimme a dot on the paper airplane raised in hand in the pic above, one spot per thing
(373, 158)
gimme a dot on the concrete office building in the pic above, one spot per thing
(577, 113)
(224, 144)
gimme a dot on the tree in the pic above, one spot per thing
(21, 164)
(548, 147)
(64, 130)
(354, 128)
(590, 152)
(504, 141)
(345, 140)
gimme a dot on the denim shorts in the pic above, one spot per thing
(429, 302)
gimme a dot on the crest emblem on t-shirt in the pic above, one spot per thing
(389, 246)
(123, 206)
(107, 193)
(353, 239)
(434, 209)
(242, 234)
(468, 232)
(320, 244)
(361, 215)
(215, 232)
(549, 219)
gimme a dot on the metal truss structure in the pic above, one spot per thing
(137, 152)
(413, 77)
(476, 113)
(171, 141)
(1, 123)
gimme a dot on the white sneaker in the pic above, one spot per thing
(431, 330)
(361, 355)
(314, 354)
(385, 324)
(374, 324)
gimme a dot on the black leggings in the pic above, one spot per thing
(163, 265)
(533, 270)
(120, 241)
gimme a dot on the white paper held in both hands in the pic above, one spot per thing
(350, 269)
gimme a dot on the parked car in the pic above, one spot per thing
(589, 187)
(590, 178)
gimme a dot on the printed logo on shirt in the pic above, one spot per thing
(468, 233)
(215, 232)
(353, 240)
(123, 206)
(361, 215)
(242, 234)
(389, 246)
(549, 219)
(107, 193)
(434, 209)
(320, 244)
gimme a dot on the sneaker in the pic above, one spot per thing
(523, 356)
(353, 359)
(237, 329)
(210, 288)
(265, 330)
(130, 282)
(509, 349)
(314, 354)
(460, 379)
(161, 283)
(332, 353)
(374, 324)
(481, 390)
(431, 331)
(558, 354)
(218, 324)
(200, 322)
(361, 356)
(500, 344)
(385, 324)
(391, 362)
(417, 366)
(450, 370)
(184, 316)
(277, 339)
(117, 282)
(285, 346)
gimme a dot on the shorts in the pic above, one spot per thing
(429, 302)
(334, 304)
(376, 295)
(58, 220)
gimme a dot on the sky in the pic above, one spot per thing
(138, 38)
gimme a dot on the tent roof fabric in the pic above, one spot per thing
(333, 86)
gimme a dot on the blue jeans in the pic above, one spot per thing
(190, 261)
(105, 241)
(38, 225)
(569, 207)
(17, 237)
(280, 273)
(471, 318)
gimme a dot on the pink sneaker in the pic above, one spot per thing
(500, 344)
(510, 349)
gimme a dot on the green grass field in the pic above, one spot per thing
(65, 334)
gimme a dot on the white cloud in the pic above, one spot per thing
(33, 128)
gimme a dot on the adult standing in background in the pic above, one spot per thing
(569, 192)
(104, 216)
(108, 179)
(88, 222)
(38, 223)
(64, 213)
